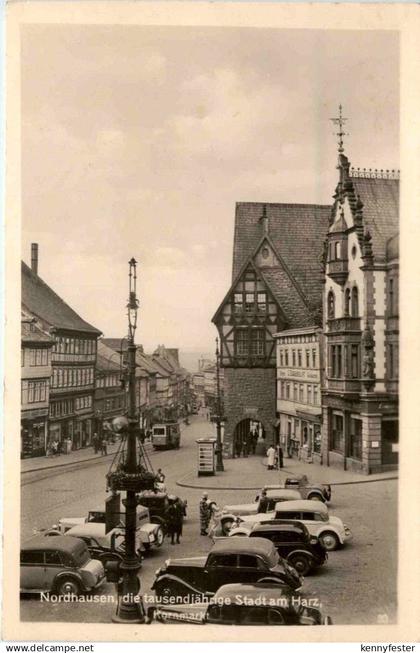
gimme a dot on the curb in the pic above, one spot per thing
(73, 462)
(181, 483)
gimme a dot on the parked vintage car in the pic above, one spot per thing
(251, 604)
(103, 546)
(329, 529)
(157, 504)
(61, 565)
(148, 533)
(231, 511)
(292, 541)
(306, 489)
(230, 559)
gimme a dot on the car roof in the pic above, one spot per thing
(88, 528)
(256, 545)
(282, 492)
(280, 526)
(58, 542)
(237, 592)
(303, 504)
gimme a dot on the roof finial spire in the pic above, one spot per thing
(340, 121)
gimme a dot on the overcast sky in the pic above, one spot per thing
(138, 141)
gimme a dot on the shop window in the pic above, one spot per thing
(337, 432)
(317, 440)
(356, 438)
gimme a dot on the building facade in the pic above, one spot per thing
(299, 392)
(73, 359)
(35, 388)
(361, 322)
(110, 393)
(276, 285)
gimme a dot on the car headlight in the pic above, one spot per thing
(313, 540)
(151, 537)
(306, 618)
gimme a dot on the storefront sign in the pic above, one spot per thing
(299, 375)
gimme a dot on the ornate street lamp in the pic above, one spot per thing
(219, 451)
(130, 606)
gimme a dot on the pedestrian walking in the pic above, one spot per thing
(160, 476)
(281, 464)
(204, 514)
(264, 501)
(172, 519)
(271, 455)
(180, 512)
(214, 511)
(95, 442)
(104, 444)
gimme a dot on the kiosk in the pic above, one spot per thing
(206, 457)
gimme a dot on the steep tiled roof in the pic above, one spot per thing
(107, 358)
(296, 311)
(380, 199)
(297, 232)
(40, 300)
(31, 333)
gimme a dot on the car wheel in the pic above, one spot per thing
(160, 536)
(301, 563)
(68, 587)
(227, 526)
(315, 497)
(169, 589)
(329, 540)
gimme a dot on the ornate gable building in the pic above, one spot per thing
(276, 285)
(361, 258)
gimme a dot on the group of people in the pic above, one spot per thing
(100, 444)
(274, 457)
(208, 514)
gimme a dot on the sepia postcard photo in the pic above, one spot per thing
(205, 438)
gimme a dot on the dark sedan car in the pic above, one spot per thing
(251, 604)
(294, 543)
(235, 560)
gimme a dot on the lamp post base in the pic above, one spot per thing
(130, 611)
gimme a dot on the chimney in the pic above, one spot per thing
(264, 220)
(34, 258)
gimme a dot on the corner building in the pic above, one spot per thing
(361, 322)
(276, 285)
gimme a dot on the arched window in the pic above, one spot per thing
(354, 302)
(347, 302)
(331, 305)
(337, 250)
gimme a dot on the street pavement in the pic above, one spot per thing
(356, 586)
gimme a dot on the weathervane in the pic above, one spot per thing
(340, 121)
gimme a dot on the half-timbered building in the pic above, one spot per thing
(276, 285)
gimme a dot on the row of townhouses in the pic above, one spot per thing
(309, 328)
(73, 381)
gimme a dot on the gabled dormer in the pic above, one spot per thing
(247, 320)
(337, 249)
